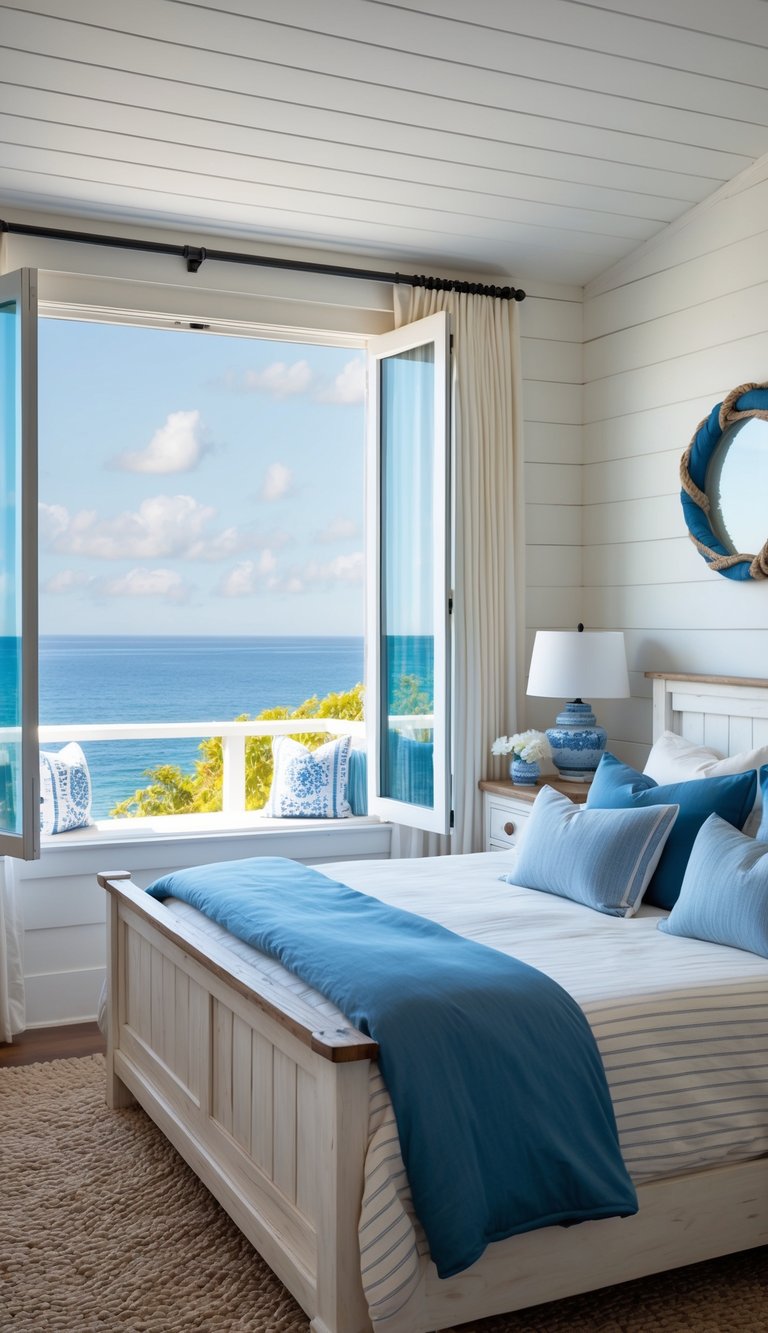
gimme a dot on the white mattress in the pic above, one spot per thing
(682, 1027)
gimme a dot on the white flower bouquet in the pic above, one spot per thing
(531, 746)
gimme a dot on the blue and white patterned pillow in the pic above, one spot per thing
(309, 784)
(65, 790)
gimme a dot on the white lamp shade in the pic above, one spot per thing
(572, 664)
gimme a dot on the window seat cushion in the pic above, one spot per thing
(218, 823)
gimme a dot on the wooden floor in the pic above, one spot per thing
(59, 1043)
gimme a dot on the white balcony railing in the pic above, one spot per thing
(233, 737)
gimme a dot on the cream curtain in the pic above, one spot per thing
(489, 619)
(11, 969)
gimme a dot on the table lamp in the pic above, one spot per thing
(569, 664)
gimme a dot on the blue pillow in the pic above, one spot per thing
(411, 765)
(762, 832)
(724, 897)
(601, 858)
(410, 773)
(616, 786)
(357, 782)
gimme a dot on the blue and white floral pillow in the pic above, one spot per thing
(309, 784)
(65, 790)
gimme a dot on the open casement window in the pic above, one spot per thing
(19, 760)
(407, 640)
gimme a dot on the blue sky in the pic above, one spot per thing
(192, 483)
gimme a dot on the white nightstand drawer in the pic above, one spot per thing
(505, 822)
(507, 808)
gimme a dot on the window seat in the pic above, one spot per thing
(250, 824)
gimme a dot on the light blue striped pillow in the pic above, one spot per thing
(309, 784)
(601, 858)
(724, 897)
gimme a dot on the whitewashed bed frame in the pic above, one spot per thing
(272, 1113)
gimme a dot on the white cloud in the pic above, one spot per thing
(165, 584)
(67, 580)
(278, 482)
(162, 526)
(249, 576)
(52, 521)
(348, 386)
(178, 446)
(221, 547)
(339, 529)
(280, 379)
(342, 569)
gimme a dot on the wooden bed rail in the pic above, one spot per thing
(337, 1044)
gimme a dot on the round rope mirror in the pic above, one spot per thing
(724, 478)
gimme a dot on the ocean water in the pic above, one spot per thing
(179, 679)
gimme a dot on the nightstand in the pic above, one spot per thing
(506, 807)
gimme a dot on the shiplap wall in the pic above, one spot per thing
(552, 363)
(666, 335)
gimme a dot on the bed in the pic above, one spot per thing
(278, 1106)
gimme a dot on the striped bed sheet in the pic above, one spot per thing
(682, 1027)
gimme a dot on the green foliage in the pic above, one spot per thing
(173, 792)
(409, 698)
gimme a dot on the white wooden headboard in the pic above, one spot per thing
(727, 713)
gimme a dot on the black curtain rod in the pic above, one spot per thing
(195, 256)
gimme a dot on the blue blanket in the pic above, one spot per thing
(502, 1107)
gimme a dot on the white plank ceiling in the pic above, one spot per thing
(533, 138)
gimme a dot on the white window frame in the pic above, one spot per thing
(20, 288)
(434, 330)
(113, 312)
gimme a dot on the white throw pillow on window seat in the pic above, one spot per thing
(674, 759)
(65, 790)
(309, 784)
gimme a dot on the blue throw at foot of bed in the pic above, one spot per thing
(502, 1107)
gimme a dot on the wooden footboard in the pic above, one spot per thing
(271, 1112)
(268, 1108)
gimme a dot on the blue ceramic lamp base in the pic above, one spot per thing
(577, 743)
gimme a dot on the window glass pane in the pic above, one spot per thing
(201, 534)
(10, 579)
(407, 396)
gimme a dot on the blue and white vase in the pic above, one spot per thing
(577, 742)
(524, 773)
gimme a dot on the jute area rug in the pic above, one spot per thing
(103, 1227)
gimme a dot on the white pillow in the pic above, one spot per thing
(65, 790)
(674, 759)
(309, 784)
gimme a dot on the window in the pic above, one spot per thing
(408, 624)
(201, 540)
(19, 770)
(142, 544)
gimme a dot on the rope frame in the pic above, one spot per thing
(747, 400)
